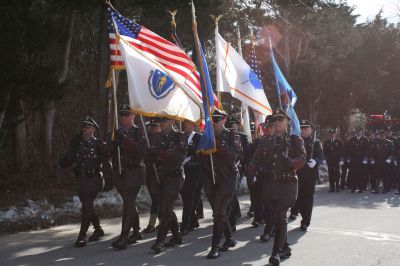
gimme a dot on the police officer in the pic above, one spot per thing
(333, 151)
(385, 152)
(278, 157)
(372, 166)
(130, 143)
(169, 152)
(307, 176)
(220, 192)
(154, 134)
(193, 178)
(346, 162)
(91, 158)
(358, 157)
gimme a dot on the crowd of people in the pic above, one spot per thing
(281, 170)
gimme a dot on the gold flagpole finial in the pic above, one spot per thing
(173, 14)
(216, 19)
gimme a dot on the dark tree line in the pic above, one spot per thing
(55, 63)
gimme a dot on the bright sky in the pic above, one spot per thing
(367, 9)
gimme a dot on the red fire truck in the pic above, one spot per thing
(376, 122)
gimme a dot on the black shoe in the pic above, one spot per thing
(286, 252)
(265, 237)
(96, 235)
(360, 191)
(174, 241)
(157, 247)
(337, 189)
(185, 231)
(331, 190)
(120, 243)
(250, 214)
(303, 228)
(229, 243)
(255, 223)
(292, 217)
(214, 253)
(397, 193)
(274, 260)
(233, 228)
(149, 229)
(193, 225)
(135, 236)
(374, 191)
(81, 242)
(353, 190)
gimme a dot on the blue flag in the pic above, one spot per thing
(207, 144)
(287, 96)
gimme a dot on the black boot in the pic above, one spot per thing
(286, 252)
(135, 236)
(158, 247)
(229, 243)
(265, 237)
(274, 260)
(176, 240)
(96, 234)
(214, 253)
(149, 229)
(81, 241)
(120, 243)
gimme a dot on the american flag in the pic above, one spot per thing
(253, 63)
(153, 47)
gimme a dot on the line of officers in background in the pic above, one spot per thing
(281, 171)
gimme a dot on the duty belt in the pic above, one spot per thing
(284, 177)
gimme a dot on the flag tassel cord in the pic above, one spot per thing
(148, 145)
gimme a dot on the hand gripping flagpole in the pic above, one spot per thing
(148, 145)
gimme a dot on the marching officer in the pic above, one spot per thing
(333, 151)
(226, 173)
(372, 166)
(193, 179)
(154, 134)
(277, 158)
(344, 178)
(358, 156)
(130, 143)
(308, 176)
(385, 152)
(91, 159)
(169, 151)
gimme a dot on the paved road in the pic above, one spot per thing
(347, 229)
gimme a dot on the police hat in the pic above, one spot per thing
(382, 132)
(233, 120)
(306, 123)
(153, 122)
(89, 122)
(218, 115)
(125, 109)
(332, 130)
(279, 112)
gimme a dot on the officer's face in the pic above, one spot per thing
(126, 119)
(280, 124)
(306, 132)
(188, 126)
(332, 135)
(88, 131)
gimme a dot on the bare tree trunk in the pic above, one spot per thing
(49, 110)
(21, 155)
(287, 44)
(3, 111)
(103, 66)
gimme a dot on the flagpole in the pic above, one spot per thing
(276, 80)
(116, 119)
(194, 27)
(219, 96)
(148, 145)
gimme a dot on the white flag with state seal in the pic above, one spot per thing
(152, 92)
(234, 75)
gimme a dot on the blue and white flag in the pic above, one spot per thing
(286, 94)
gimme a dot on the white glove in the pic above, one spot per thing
(324, 162)
(348, 160)
(388, 161)
(311, 163)
(395, 163)
(365, 162)
(341, 163)
(372, 161)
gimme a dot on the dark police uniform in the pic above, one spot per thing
(385, 150)
(193, 180)
(307, 179)
(169, 151)
(358, 156)
(226, 172)
(344, 177)
(333, 151)
(91, 159)
(132, 145)
(372, 163)
(278, 159)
